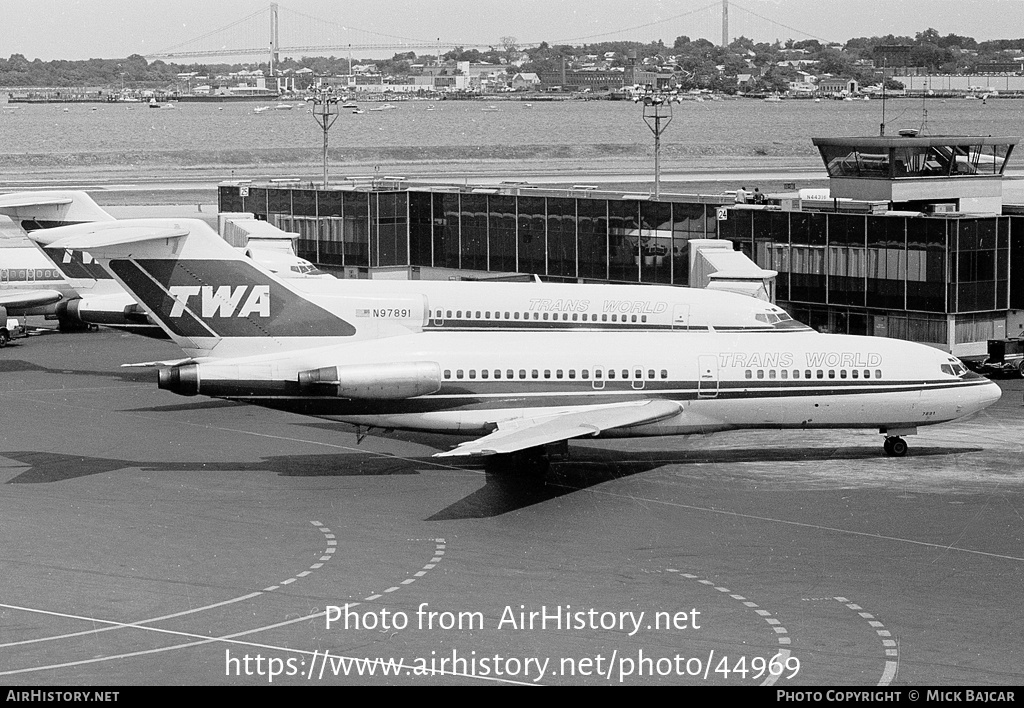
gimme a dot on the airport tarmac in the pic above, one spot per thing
(154, 539)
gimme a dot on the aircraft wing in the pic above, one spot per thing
(523, 433)
(17, 299)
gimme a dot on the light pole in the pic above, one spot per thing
(657, 116)
(325, 111)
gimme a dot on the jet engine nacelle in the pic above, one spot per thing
(102, 311)
(248, 379)
(381, 381)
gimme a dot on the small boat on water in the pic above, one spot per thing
(260, 109)
(490, 109)
(283, 107)
(775, 98)
(153, 103)
(385, 107)
(358, 111)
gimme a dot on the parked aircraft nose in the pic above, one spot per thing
(988, 394)
(981, 396)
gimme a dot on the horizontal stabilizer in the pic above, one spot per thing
(523, 433)
(89, 237)
(153, 364)
(16, 299)
(27, 199)
(47, 209)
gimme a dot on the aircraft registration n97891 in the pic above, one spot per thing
(371, 361)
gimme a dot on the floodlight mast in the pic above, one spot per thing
(325, 112)
(657, 116)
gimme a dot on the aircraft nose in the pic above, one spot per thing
(988, 394)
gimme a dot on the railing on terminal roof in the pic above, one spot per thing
(373, 183)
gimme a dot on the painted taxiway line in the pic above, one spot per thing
(440, 547)
(889, 645)
(781, 633)
(798, 524)
(141, 623)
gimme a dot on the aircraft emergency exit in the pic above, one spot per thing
(369, 359)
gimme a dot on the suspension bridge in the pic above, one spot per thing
(276, 30)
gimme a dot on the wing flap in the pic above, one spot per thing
(523, 433)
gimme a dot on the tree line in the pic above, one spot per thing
(698, 59)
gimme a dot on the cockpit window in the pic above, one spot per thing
(305, 269)
(954, 368)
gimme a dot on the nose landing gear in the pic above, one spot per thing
(895, 447)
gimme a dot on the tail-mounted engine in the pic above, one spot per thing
(379, 381)
(241, 380)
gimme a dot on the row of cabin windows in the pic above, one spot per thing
(575, 316)
(599, 374)
(815, 373)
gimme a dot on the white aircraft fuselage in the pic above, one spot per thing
(719, 380)
(370, 357)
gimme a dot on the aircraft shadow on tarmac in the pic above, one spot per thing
(15, 366)
(49, 467)
(506, 488)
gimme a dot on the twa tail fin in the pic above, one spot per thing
(202, 291)
(33, 211)
(50, 209)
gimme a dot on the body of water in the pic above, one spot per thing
(210, 134)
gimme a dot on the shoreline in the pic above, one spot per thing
(139, 185)
(127, 185)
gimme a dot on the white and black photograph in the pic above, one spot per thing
(597, 343)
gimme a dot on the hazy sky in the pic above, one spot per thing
(81, 29)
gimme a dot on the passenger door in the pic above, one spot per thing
(707, 376)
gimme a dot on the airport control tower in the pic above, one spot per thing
(935, 173)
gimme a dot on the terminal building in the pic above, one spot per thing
(913, 240)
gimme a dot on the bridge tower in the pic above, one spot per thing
(274, 38)
(725, 23)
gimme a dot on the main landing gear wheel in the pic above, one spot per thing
(533, 462)
(895, 447)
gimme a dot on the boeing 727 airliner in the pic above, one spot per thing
(368, 359)
(428, 305)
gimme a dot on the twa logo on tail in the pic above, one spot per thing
(224, 298)
(222, 301)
